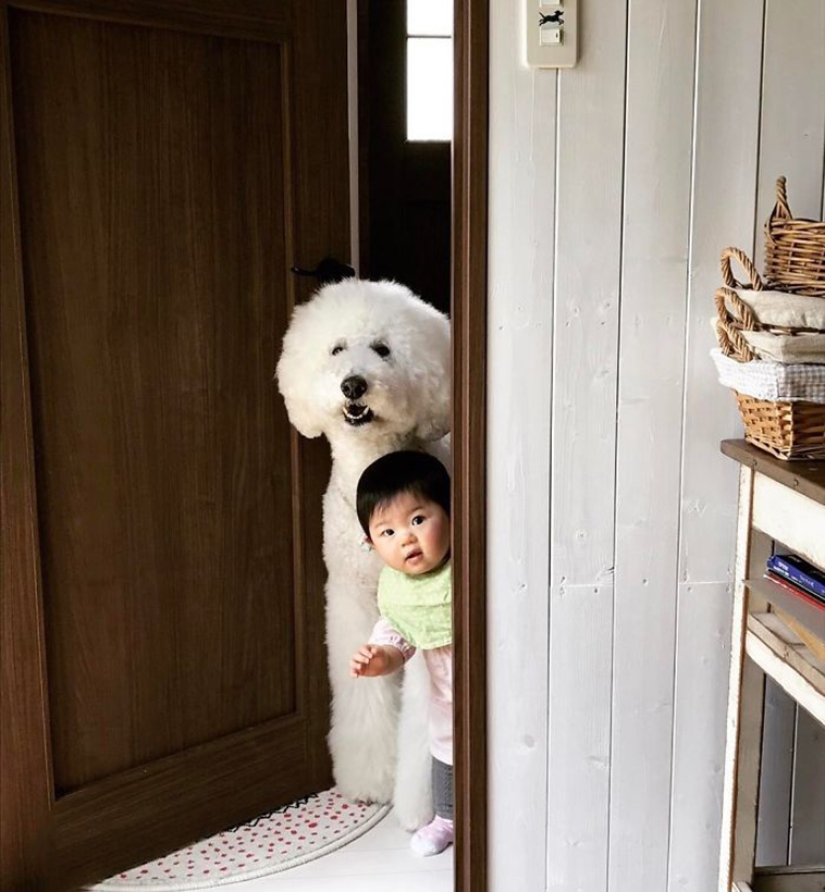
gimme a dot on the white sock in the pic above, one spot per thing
(433, 838)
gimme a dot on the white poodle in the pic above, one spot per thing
(367, 364)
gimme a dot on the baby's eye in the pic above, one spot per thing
(418, 520)
(381, 349)
(337, 349)
(387, 533)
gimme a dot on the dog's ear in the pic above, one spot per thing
(301, 419)
(436, 422)
(432, 381)
(292, 375)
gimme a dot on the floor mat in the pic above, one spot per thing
(284, 838)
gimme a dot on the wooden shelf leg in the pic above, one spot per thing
(748, 762)
(744, 722)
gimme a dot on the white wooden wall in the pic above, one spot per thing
(613, 189)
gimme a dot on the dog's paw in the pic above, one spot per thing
(412, 814)
(412, 797)
(362, 770)
(364, 789)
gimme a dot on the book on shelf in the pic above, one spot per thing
(795, 590)
(799, 573)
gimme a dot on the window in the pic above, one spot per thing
(429, 70)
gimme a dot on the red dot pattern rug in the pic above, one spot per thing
(289, 836)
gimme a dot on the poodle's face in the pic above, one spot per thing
(366, 359)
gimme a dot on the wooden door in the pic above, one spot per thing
(163, 665)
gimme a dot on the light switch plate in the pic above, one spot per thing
(551, 33)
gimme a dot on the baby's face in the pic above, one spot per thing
(410, 534)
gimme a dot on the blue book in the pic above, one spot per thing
(799, 572)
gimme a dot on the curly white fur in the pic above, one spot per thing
(341, 334)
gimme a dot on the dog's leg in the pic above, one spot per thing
(363, 733)
(412, 798)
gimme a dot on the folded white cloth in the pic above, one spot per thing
(775, 381)
(777, 308)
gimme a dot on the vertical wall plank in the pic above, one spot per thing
(579, 739)
(522, 149)
(588, 249)
(808, 818)
(659, 130)
(773, 825)
(725, 165)
(724, 197)
(699, 736)
(793, 112)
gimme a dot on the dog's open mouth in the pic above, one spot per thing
(357, 413)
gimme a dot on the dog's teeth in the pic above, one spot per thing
(357, 413)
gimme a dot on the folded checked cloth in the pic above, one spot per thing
(766, 380)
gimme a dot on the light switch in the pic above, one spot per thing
(551, 36)
(551, 33)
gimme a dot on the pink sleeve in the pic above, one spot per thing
(384, 633)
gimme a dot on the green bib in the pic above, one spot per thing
(420, 608)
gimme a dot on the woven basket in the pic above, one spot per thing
(794, 250)
(735, 316)
(729, 325)
(788, 430)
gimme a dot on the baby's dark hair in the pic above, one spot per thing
(401, 472)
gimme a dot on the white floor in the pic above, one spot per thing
(381, 856)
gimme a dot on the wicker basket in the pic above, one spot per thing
(794, 250)
(788, 430)
(729, 325)
(736, 319)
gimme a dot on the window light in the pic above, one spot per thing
(429, 18)
(429, 70)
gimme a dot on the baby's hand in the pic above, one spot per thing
(369, 660)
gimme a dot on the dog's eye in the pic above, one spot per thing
(381, 349)
(337, 349)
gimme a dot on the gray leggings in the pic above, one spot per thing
(443, 789)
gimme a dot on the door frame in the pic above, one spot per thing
(469, 325)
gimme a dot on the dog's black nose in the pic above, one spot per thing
(353, 387)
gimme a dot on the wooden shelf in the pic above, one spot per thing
(780, 654)
(800, 611)
(805, 477)
(777, 634)
(789, 879)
